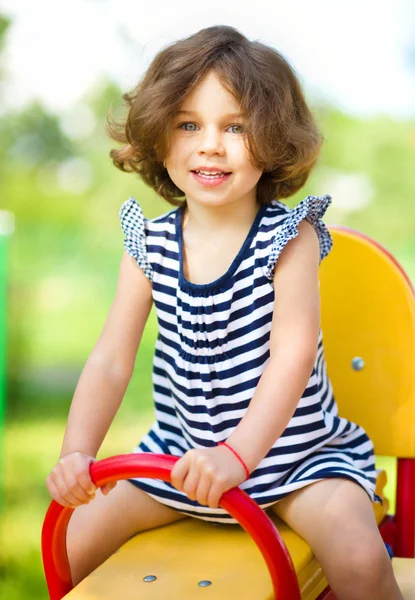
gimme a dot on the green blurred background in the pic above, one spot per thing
(63, 265)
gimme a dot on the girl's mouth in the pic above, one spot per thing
(211, 180)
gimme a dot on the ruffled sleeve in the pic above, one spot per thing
(133, 225)
(312, 209)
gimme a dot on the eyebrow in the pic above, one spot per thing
(228, 116)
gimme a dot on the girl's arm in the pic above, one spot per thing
(101, 388)
(293, 349)
(109, 368)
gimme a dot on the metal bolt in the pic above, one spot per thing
(149, 578)
(358, 364)
(204, 583)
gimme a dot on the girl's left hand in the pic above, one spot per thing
(204, 474)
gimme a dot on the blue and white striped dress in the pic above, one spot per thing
(212, 348)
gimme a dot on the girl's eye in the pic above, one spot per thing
(237, 126)
(184, 127)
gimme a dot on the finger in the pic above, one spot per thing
(105, 489)
(179, 472)
(65, 490)
(191, 483)
(215, 494)
(76, 490)
(70, 469)
(80, 468)
(53, 490)
(202, 492)
(56, 495)
(85, 481)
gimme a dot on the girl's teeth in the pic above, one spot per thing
(208, 176)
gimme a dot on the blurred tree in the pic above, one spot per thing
(68, 242)
(4, 25)
(33, 136)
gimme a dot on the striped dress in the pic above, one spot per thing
(212, 348)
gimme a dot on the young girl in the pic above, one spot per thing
(219, 127)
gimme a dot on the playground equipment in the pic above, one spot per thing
(368, 322)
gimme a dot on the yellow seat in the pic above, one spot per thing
(368, 323)
(404, 570)
(189, 551)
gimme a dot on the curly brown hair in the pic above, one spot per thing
(282, 136)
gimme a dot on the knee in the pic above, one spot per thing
(366, 560)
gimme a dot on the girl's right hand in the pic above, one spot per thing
(69, 482)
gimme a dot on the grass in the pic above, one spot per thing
(32, 447)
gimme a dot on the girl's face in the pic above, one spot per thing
(207, 133)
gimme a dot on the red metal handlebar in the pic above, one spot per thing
(158, 466)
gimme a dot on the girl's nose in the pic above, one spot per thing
(211, 141)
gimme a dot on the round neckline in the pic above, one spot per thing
(185, 283)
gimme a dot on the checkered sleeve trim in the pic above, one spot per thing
(312, 209)
(133, 224)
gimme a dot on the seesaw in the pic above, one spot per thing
(368, 321)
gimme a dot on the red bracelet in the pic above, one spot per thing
(237, 456)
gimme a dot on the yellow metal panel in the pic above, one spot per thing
(368, 312)
(182, 554)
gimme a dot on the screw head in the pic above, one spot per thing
(358, 364)
(204, 583)
(149, 578)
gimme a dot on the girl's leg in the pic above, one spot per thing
(336, 518)
(96, 530)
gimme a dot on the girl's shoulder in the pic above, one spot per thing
(143, 236)
(280, 223)
(131, 213)
(311, 208)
